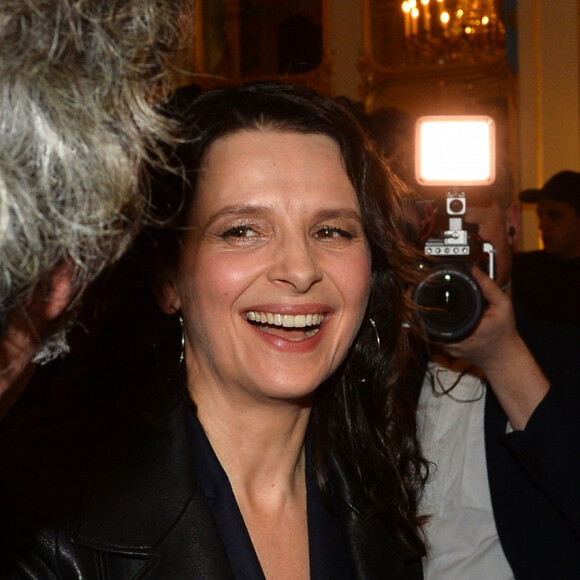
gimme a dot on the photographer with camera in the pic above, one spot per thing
(498, 417)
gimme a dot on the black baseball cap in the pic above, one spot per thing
(563, 186)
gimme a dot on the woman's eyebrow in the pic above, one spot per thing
(259, 210)
(242, 210)
(341, 213)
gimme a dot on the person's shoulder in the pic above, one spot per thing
(555, 346)
(47, 474)
(528, 267)
(530, 258)
(574, 263)
(545, 331)
(43, 471)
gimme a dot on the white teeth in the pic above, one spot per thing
(300, 321)
(285, 320)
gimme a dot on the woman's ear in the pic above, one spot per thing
(165, 293)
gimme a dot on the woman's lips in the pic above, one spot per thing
(293, 327)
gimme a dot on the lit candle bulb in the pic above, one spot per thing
(445, 22)
(427, 15)
(414, 20)
(407, 11)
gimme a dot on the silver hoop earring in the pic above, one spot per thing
(182, 355)
(376, 333)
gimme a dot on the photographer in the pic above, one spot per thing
(498, 416)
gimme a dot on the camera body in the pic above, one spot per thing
(449, 298)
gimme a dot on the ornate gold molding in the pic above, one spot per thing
(457, 80)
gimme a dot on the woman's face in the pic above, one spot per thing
(274, 275)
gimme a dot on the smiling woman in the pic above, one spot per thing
(290, 450)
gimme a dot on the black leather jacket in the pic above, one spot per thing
(143, 514)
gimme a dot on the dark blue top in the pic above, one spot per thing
(327, 546)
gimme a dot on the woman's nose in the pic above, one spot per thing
(294, 263)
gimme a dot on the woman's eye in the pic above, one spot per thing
(239, 232)
(329, 233)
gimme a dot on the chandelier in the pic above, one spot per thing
(442, 32)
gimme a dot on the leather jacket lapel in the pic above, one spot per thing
(192, 549)
(150, 508)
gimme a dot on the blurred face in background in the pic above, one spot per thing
(560, 226)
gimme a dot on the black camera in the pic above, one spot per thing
(449, 298)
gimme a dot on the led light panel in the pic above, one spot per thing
(455, 150)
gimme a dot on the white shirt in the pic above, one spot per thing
(463, 543)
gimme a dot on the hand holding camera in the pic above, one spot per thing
(495, 328)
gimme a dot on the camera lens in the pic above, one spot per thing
(450, 301)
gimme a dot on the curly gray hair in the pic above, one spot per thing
(80, 82)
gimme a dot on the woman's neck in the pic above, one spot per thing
(262, 451)
(260, 446)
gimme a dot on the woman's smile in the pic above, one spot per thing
(287, 326)
(292, 327)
